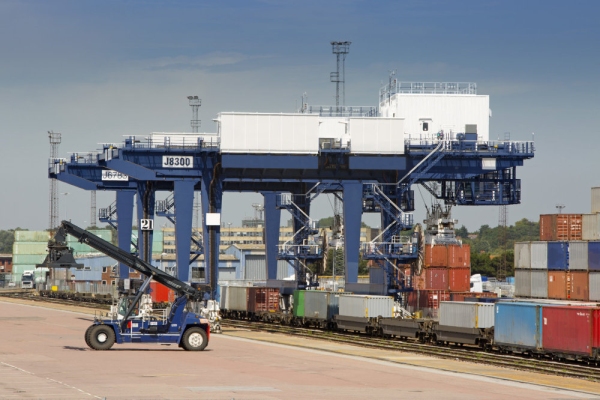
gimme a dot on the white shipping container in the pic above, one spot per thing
(269, 133)
(596, 200)
(376, 135)
(539, 255)
(523, 283)
(236, 298)
(466, 314)
(590, 225)
(522, 255)
(539, 284)
(578, 255)
(366, 306)
(594, 292)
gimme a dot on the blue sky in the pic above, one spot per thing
(98, 70)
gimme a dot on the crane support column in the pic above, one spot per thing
(183, 194)
(145, 210)
(212, 199)
(272, 223)
(124, 225)
(352, 220)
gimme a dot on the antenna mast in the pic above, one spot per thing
(340, 49)
(55, 139)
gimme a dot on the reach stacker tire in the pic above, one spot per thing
(194, 339)
(101, 337)
(87, 335)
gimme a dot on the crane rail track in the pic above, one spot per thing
(466, 353)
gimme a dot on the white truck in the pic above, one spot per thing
(28, 279)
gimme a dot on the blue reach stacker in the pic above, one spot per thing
(132, 320)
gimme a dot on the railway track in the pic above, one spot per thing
(466, 353)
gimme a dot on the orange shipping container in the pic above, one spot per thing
(459, 256)
(579, 285)
(419, 282)
(437, 278)
(561, 227)
(459, 279)
(160, 293)
(436, 256)
(557, 285)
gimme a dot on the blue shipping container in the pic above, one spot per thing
(594, 256)
(558, 256)
(518, 324)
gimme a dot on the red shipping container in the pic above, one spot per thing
(557, 285)
(460, 296)
(427, 298)
(459, 256)
(579, 285)
(419, 282)
(160, 293)
(459, 279)
(437, 278)
(561, 227)
(570, 329)
(436, 256)
(262, 299)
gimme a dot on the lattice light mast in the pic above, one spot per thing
(503, 233)
(93, 210)
(55, 139)
(340, 49)
(195, 103)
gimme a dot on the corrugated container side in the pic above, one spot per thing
(578, 255)
(459, 279)
(596, 199)
(223, 303)
(594, 286)
(437, 278)
(467, 315)
(568, 227)
(436, 256)
(366, 306)
(539, 284)
(548, 227)
(523, 282)
(594, 256)
(539, 255)
(522, 255)
(590, 225)
(32, 236)
(518, 324)
(237, 298)
(419, 282)
(459, 256)
(263, 299)
(316, 304)
(299, 303)
(558, 256)
(568, 329)
(579, 286)
(557, 285)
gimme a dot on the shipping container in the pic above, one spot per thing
(160, 293)
(558, 256)
(366, 306)
(263, 299)
(578, 255)
(436, 256)
(539, 284)
(557, 285)
(561, 227)
(579, 286)
(594, 256)
(523, 282)
(466, 315)
(460, 296)
(518, 324)
(419, 282)
(459, 256)
(522, 255)
(299, 303)
(459, 279)
(420, 299)
(316, 304)
(32, 236)
(539, 255)
(590, 224)
(236, 298)
(437, 278)
(594, 286)
(571, 329)
(596, 200)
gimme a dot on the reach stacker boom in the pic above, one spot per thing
(189, 330)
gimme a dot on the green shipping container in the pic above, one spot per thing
(30, 248)
(299, 303)
(32, 236)
(28, 259)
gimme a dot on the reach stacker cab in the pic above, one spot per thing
(133, 320)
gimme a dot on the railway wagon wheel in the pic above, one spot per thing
(101, 337)
(194, 339)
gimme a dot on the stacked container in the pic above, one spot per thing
(366, 306)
